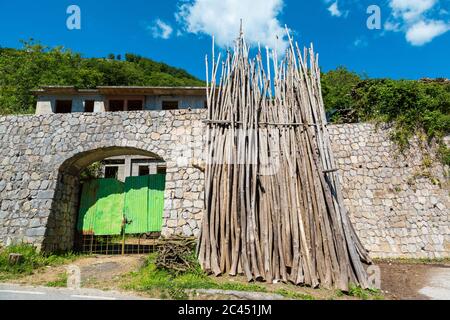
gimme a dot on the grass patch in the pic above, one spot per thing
(165, 283)
(245, 287)
(173, 285)
(414, 261)
(61, 282)
(294, 295)
(32, 261)
(364, 294)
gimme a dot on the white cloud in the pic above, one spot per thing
(392, 26)
(221, 18)
(160, 29)
(423, 32)
(417, 19)
(410, 10)
(334, 9)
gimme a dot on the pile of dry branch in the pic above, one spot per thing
(274, 205)
(176, 255)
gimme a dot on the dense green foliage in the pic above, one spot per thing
(24, 70)
(337, 86)
(411, 107)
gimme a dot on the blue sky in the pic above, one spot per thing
(413, 42)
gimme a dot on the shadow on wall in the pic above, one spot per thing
(62, 221)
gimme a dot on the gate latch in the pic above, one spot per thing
(125, 221)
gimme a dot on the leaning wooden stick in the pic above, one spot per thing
(274, 207)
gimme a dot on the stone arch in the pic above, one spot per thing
(76, 163)
(61, 224)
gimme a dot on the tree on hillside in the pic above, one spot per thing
(36, 65)
(337, 86)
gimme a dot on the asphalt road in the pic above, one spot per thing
(16, 292)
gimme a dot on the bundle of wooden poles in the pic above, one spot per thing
(274, 207)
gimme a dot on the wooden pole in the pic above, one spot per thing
(274, 208)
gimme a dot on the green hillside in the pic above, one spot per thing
(35, 65)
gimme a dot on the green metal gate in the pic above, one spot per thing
(106, 202)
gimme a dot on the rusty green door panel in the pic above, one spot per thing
(88, 207)
(144, 203)
(101, 207)
(109, 215)
(156, 188)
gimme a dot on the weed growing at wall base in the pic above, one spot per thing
(32, 261)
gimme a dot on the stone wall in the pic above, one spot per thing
(399, 204)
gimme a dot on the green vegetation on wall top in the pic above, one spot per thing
(411, 107)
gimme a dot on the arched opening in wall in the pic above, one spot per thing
(108, 201)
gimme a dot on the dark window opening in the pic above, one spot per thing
(144, 171)
(89, 106)
(206, 104)
(111, 172)
(170, 105)
(161, 170)
(114, 162)
(63, 106)
(116, 105)
(135, 105)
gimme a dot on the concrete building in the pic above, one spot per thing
(68, 99)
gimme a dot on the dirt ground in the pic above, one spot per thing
(400, 281)
(100, 272)
(403, 281)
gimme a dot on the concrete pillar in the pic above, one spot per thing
(99, 106)
(153, 168)
(121, 174)
(128, 168)
(44, 107)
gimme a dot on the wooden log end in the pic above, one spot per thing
(15, 259)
